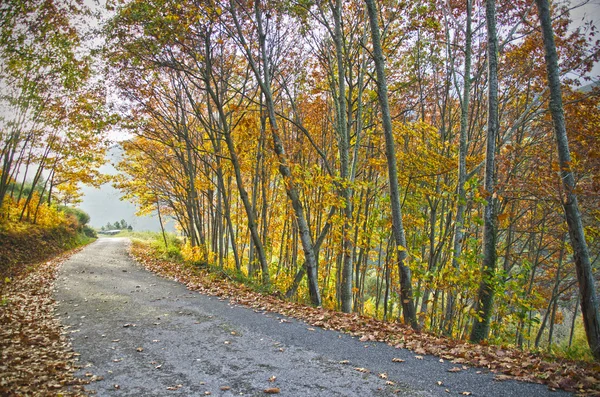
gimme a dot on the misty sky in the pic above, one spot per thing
(104, 204)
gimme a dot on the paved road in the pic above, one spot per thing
(153, 337)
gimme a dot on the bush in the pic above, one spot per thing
(81, 216)
(89, 232)
(174, 253)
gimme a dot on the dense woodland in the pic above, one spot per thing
(395, 159)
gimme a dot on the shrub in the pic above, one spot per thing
(89, 232)
(81, 216)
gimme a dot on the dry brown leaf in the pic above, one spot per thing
(272, 390)
(512, 362)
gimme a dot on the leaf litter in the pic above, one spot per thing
(582, 378)
(36, 356)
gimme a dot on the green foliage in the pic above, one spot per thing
(118, 225)
(579, 349)
(82, 217)
(89, 232)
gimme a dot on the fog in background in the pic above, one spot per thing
(104, 204)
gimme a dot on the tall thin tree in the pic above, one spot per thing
(485, 298)
(406, 295)
(585, 276)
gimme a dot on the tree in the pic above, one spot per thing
(485, 297)
(262, 73)
(585, 277)
(410, 316)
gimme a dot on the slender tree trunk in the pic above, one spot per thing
(344, 150)
(485, 298)
(574, 321)
(585, 276)
(406, 295)
(462, 172)
(264, 79)
(160, 221)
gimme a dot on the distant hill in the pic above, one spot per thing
(589, 87)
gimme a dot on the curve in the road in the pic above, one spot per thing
(148, 336)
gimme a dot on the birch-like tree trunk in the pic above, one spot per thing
(344, 150)
(263, 77)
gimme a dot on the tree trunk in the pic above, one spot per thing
(264, 79)
(344, 150)
(485, 299)
(585, 276)
(406, 295)
(462, 172)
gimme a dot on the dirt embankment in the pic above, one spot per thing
(32, 244)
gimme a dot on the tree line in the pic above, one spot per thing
(408, 160)
(53, 113)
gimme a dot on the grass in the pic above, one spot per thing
(173, 253)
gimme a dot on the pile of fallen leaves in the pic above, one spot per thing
(36, 358)
(506, 363)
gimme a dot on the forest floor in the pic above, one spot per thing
(140, 334)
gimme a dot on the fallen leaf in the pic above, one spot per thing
(397, 360)
(272, 390)
(140, 349)
(225, 388)
(419, 357)
(454, 369)
(272, 378)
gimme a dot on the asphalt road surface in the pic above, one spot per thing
(149, 336)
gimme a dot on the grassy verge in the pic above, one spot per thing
(28, 244)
